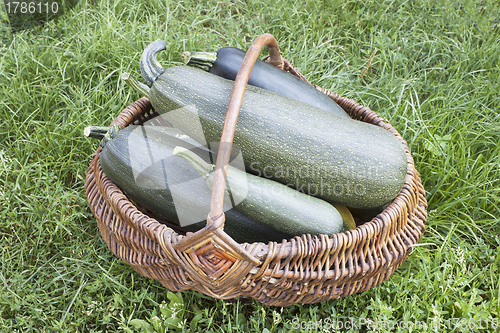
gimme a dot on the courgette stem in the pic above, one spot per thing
(204, 168)
(201, 60)
(96, 132)
(136, 85)
(102, 133)
(150, 67)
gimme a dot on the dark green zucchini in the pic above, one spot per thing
(338, 159)
(271, 203)
(139, 160)
(227, 61)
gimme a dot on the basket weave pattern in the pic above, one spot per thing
(306, 269)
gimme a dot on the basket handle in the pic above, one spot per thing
(216, 216)
(233, 111)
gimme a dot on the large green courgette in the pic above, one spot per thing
(139, 160)
(227, 61)
(338, 159)
(271, 203)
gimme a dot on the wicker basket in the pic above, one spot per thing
(306, 269)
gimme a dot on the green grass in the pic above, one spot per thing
(435, 77)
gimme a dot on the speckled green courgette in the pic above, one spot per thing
(271, 203)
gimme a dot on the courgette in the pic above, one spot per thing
(139, 160)
(338, 159)
(227, 61)
(271, 203)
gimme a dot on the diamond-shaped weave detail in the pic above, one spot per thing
(212, 260)
(215, 260)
